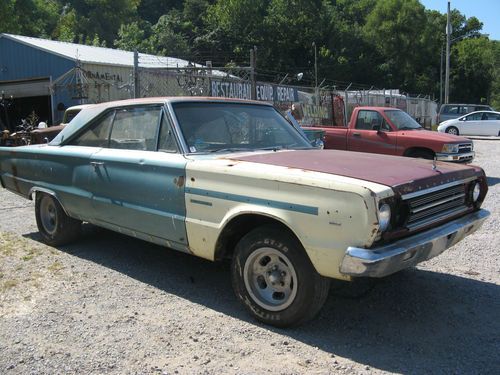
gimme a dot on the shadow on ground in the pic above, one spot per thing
(492, 181)
(415, 321)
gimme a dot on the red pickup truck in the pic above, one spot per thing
(385, 130)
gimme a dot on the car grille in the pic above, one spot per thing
(435, 204)
(464, 147)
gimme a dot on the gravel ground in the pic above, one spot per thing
(112, 304)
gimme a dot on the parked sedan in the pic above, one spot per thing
(475, 123)
(231, 179)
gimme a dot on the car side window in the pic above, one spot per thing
(167, 137)
(98, 133)
(451, 109)
(491, 116)
(474, 117)
(369, 120)
(135, 128)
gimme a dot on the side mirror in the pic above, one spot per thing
(462, 119)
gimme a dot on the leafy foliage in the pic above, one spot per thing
(385, 43)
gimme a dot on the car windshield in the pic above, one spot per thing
(402, 120)
(231, 127)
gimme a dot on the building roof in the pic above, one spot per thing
(97, 55)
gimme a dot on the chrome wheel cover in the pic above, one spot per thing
(48, 215)
(452, 131)
(270, 279)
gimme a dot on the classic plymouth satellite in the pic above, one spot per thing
(230, 179)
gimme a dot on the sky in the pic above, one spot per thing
(487, 11)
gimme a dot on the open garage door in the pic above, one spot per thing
(29, 98)
(26, 88)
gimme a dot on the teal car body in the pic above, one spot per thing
(232, 179)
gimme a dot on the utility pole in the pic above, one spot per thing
(447, 76)
(137, 90)
(316, 91)
(253, 66)
(441, 77)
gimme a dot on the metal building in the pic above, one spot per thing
(41, 78)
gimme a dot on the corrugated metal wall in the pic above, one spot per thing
(21, 62)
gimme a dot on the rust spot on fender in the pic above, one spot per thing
(179, 181)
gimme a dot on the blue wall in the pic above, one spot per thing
(19, 62)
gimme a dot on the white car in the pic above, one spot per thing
(475, 123)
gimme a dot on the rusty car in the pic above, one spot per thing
(232, 180)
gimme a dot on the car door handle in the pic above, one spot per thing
(96, 164)
(356, 134)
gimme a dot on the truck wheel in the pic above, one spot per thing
(422, 154)
(275, 280)
(452, 130)
(54, 225)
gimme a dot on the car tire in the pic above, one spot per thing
(422, 154)
(275, 280)
(55, 227)
(452, 130)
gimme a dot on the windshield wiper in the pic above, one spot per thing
(230, 149)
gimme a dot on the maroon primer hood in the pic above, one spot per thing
(403, 174)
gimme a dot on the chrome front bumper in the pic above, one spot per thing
(407, 252)
(460, 158)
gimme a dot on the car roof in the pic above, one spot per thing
(91, 111)
(477, 105)
(175, 99)
(78, 107)
(484, 111)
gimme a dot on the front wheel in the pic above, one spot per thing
(452, 130)
(54, 225)
(275, 280)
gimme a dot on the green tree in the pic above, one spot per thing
(29, 17)
(102, 18)
(167, 37)
(395, 29)
(475, 66)
(134, 35)
(9, 18)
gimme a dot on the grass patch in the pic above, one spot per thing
(8, 284)
(55, 267)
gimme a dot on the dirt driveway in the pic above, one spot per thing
(112, 304)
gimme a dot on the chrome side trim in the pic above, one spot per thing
(407, 252)
(436, 188)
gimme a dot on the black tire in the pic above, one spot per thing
(452, 130)
(297, 291)
(55, 227)
(422, 154)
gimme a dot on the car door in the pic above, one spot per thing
(366, 138)
(470, 124)
(136, 189)
(490, 124)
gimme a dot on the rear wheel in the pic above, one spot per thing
(452, 130)
(275, 280)
(54, 225)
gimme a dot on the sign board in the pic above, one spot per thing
(243, 90)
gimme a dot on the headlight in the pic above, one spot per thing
(450, 148)
(384, 216)
(476, 192)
